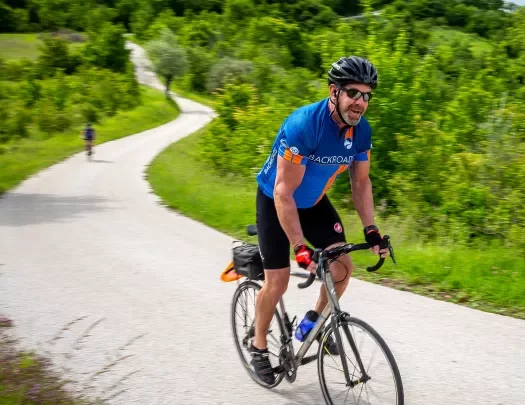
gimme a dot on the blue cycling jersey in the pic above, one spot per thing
(309, 136)
(89, 133)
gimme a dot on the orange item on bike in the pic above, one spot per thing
(229, 274)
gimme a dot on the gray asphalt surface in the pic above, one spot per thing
(104, 279)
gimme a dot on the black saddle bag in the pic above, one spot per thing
(247, 261)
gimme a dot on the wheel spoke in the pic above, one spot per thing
(371, 359)
(243, 321)
(360, 392)
(373, 352)
(375, 395)
(336, 368)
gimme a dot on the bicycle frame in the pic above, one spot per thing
(333, 308)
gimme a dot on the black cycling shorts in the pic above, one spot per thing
(321, 227)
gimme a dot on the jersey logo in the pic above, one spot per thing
(294, 150)
(348, 144)
(332, 160)
(338, 228)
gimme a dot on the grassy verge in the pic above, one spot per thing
(27, 379)
(447, 35)
(18, 46)
(25, 157)
(204, 99)
(490, 280)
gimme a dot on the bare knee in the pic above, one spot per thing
(342, 271)
(276, 281)
(342, 268)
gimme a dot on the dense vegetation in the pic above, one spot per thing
(447, 118)
(52, 82)
(64, 87)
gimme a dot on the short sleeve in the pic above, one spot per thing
(296, 140)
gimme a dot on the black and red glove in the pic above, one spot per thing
(303, 256)
(372, 235)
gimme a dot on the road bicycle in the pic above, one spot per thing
(353, 360)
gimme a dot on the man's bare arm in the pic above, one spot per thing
(362, 191)
(289, 176)
(363, 198)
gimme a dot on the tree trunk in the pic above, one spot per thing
(169, 79)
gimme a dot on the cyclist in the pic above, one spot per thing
(314, 145)
(88, 134)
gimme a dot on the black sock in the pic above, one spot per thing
(258, 350)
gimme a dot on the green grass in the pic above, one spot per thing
(490, 280)
(446, 35)
(26, 157)
(225, 203)
(26, 378)
(19, 46)
(205, 99)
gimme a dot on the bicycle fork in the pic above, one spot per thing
(337, 314)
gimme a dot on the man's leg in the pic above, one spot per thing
(275, 253)
(341, 270)
(275, 285)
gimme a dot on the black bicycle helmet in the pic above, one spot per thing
(353, 69)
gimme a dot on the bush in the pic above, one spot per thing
(19, 121)
(200, 62)
(16, 70)
(237, 71)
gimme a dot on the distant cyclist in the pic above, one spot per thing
(88, 134)
(315, 144)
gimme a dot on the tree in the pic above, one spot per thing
(106, 48)
(168, 58)
(7, 19)
(54, 55)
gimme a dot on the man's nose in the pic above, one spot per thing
(360, 102)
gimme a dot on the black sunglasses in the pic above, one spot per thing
(356, 94)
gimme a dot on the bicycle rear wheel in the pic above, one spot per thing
(383, 387)
(243, 327)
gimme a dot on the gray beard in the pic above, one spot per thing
(349, 121)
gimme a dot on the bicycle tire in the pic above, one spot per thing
(240, 289)
(380, 342)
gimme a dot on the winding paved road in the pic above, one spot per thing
(90, 243)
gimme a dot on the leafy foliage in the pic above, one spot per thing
(63, 88)
(447, 118)
(447, 123)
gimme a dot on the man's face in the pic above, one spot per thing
(351, 109)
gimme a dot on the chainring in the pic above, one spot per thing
(286, 358)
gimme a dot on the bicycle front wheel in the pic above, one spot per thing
(359, 342)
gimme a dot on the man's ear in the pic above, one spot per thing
(333, 92)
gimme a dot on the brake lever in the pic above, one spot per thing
(385, 243)
(391, 250)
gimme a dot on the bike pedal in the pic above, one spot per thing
(278, 369)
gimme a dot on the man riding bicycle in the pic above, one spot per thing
(315, 144)
(88, 134)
